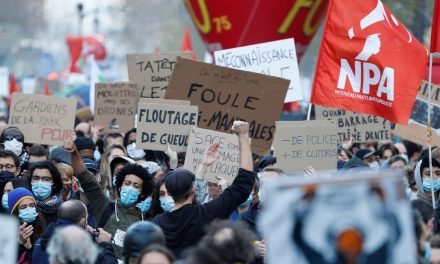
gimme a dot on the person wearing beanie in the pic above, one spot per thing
(86, 147)
(139, 236)
(22, 203)
(184, 224)
(133, 184)
(423, 179)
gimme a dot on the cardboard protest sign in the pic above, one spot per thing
(161, 124)
(301, 143)
(43, 119)
(115, 106)
(224, 95)
(359, 127)
(8, 239)
(275, 58)
(417, 133)
(152, 72)
(164, 101)
(416, 130)
(361, 216)
(228, 162)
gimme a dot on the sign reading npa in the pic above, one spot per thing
(43, 119)
(161, 124)
(225, 95)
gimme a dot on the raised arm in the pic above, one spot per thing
(242, 130)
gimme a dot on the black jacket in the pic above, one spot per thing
(185, 226)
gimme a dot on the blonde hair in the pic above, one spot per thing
(64, 168)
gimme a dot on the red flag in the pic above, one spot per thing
(12, 88)
(186, 44)
(82, 47)
(368, 61)
(46, 88)
(435, 30)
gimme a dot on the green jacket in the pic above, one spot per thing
(111, 216)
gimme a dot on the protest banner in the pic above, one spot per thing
(8, 239)
(416, 130)
(161, 124)
(276, 58)
(43, 119)
(302, 143)
(115, 106)
(338, 218)
(359, 127)
(227, 164)
(152, 72)
(224, 95)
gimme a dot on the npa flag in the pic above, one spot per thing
(435, 31)
(368, 62)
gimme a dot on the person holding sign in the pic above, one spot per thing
(185, 224)
(133, 184)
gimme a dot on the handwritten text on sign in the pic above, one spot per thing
(276, 58)
(161, 124)
(152, 72)
(43, 119)
(224, 95)
(228, 153)
(359, 127)
(302, 143)
(115, 105)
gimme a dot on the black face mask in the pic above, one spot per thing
(6, 176)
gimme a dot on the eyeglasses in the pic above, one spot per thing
(11, 137)
(41, 178)
(7, 166)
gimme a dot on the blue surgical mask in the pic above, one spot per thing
(427, 256)
(129, 196)
(145, 205)
(27, 215)
(167, 203)
(247, 202)
(427, 185)
(41, 190)
(5, 201)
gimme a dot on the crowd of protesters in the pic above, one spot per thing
(99, 199)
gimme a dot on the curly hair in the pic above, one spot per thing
(139, 171)
(56, 176)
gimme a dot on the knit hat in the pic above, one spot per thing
(364, 153)
(179, 181)
(16, 196)
(82, 143)
(60, 155)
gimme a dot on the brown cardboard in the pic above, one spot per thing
(417, 133)
(224, 95)
(115, 106)
(359, 127)
(227, 164)
(306, 143)
(43, 119)
(152, 72)
(155, 133)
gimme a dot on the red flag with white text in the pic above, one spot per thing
(368, 61)
(435, 31)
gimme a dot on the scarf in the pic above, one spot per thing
(51, 207)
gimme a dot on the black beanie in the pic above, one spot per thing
(179, 181)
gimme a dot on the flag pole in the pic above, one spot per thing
(430, 130)
(309, 111)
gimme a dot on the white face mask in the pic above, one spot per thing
(374, 166)
(135, 153)
(14, 145)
